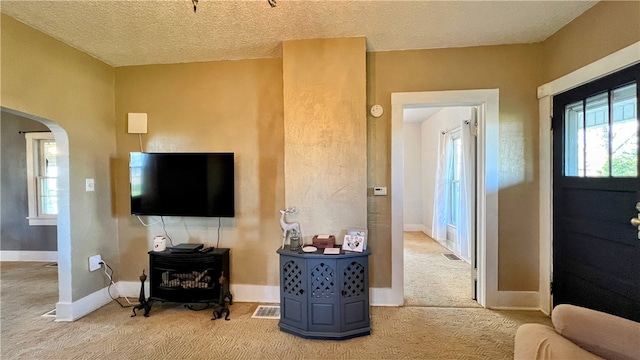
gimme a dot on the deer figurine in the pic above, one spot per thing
(288, 226)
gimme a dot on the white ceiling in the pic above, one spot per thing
(419, 114)
(137, 32)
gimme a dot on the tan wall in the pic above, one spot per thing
(226, 106)
(46, 78)
(325, 134)
(238, 106)
(605, 28)
(515, 71)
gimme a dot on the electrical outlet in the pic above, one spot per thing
(94, 262)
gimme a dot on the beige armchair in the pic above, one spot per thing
(579, 333)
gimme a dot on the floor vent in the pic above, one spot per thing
(451, 256)
(267, 312)
(51, 313)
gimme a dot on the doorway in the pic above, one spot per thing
(28, 191)
(596, 190)
(439, 199)
(609, 64)
(63, 220)
(486, 188)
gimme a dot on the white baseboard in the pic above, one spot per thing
(507, 300)
(418, 227)
(241, 293)
(427, 231)
(77, 309)
(384, 297)
(130, 289)
(518, 300)
(255, 293)
(414, 227)
(21, 255)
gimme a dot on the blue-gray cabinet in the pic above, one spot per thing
(324, 296)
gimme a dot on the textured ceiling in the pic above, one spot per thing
(140, 32)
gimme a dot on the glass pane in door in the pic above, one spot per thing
(597, 136)
(573, 140)
(624, 132)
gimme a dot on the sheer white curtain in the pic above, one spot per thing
(465, 207)
(466, 219)
(441, 193)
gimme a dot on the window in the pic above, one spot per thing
(601, 135)
(453, 160)
(42, 178)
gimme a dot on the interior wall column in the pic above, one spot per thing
(324, 88)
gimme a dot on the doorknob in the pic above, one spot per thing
(636, 220)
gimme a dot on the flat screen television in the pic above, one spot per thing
(182, 184)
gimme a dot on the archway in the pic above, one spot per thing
(63, 221)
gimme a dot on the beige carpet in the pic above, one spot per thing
(173, 332)
(430, 279)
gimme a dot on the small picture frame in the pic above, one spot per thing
(355, 240)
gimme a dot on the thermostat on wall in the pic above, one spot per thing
(377, 110)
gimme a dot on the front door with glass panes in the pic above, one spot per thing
(596, 195)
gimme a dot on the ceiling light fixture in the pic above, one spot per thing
(272, 3)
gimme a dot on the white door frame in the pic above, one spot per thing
(609, 64)
(486, 192)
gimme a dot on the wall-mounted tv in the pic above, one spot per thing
(182, 184)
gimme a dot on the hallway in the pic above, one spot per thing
(432, 280)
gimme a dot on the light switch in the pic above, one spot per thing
(89, 185)
(380, 191)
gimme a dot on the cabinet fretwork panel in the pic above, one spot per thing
(324, 296)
